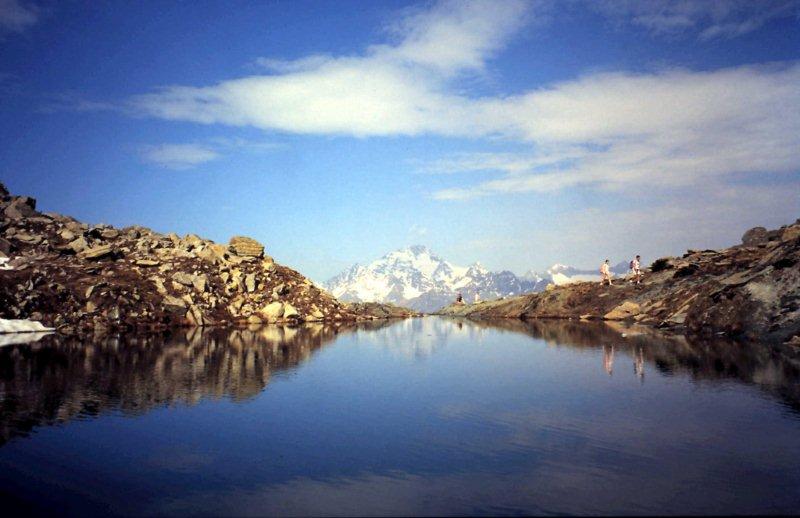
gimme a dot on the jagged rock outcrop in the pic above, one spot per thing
(85, 279)
(750, 290)
(379, 310)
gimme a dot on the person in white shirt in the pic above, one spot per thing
(636, 270)
(605, 273)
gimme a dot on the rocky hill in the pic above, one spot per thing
(749, 290)
(81, 278)
(419, 279)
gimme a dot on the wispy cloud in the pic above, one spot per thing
(671, 129)
(178, 156)
(16, 16)
(707, 19)
(400, 88)
(189, 155)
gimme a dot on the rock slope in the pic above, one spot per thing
(82, 279)
(750, 290)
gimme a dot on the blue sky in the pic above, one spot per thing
(514, 133)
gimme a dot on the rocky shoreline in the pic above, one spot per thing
(751, 291)
(96, 279)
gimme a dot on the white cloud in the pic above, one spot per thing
(393, 89)
(179, 156)
(671, 129)
(707, 19)
(16, 16)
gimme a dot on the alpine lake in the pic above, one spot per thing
(425, 416)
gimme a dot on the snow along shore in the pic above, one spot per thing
(22, 326)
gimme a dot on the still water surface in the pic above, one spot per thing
(424, 416)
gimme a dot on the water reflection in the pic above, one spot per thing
(417, 417)
(57, 379)
(774, 368)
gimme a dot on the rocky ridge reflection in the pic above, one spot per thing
(58, 379)
(775, 369)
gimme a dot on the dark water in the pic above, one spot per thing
(425, 416)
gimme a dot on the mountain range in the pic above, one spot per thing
(417, 278)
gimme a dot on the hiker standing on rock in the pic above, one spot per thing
(605, 274)
(636, 269)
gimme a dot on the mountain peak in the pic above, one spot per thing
(418, 249)
(417, 278)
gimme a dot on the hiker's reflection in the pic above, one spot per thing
(608, 359)
(638, 363)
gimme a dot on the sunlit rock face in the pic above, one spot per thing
(86, 279)
(751, 291)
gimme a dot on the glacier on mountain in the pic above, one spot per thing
(417, 278)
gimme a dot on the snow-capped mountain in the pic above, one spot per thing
(560, 274)
(417, 278)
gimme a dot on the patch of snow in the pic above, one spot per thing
(4, 263)
(21, 338)
(22, 326)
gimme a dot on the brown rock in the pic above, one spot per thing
(790, 233)
(246, 247)
(78, 245)
(6, 247)
(755, 236)
(624, 311)
(97, 252)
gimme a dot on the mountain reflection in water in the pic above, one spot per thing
(57, 379)
(419, 416)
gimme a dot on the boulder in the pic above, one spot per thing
(624, 311)
(254, 320)
(21, 207)
(147, 263)
(97, 252)
(289, 311)
(6, 247)
(791, 233)
(78, 245)
(246, 247)
(213, 253)
(755, 236)
(273, 311)
(199, 282)
(183, 278)
(250, 283)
